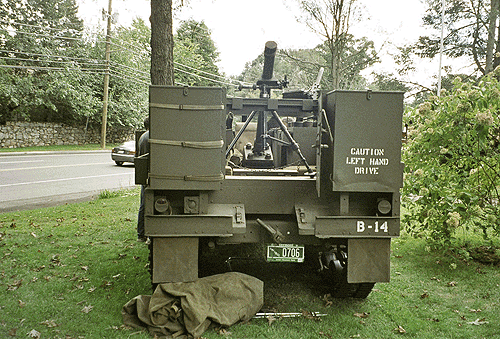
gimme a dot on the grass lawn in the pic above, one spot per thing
(65, 272)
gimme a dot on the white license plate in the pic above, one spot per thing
(285, 253)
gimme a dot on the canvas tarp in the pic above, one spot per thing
(188, 309)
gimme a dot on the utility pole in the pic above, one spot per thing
(441, 47)
(106, 80)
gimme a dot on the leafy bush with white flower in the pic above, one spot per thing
(452, 157)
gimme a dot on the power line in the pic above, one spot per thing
(49, 55)
(43, 27)
(138, 47)
(121, 47)
(47, 68)
(83, 61)
(125, 77)
(44, 35)
(91, 61)
(210, 74)
(133, 53)
(205, 78)
(135, 75)
(51, 61)
(97, 62)
(112, 63)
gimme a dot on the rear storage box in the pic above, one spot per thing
(366, 129)
(186, 137)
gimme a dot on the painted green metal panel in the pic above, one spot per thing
(367, 140)
(187, 133)
(369, 260)
(175, 260)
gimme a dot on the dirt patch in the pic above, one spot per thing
(287, 285)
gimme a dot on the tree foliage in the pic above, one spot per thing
(31, 32)
(343, 55)
(452, 176)
(195, 55)
(302, 66)
(471, 31)
(51, 70)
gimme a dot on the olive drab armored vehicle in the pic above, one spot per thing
(311, 170)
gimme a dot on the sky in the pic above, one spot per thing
(240, 28)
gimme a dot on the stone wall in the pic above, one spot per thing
(27, 134)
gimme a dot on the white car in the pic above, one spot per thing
(124, 153)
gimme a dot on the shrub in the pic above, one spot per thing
(452, 173)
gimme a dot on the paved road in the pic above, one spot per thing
(33, 180)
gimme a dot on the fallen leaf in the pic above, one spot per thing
(310, 315)
(85, 268)
(424, 295)
(327, 299)
(400, 329)
(224, 332)
(116, 276)
(33, 234)
(270, 319)
(121, 256)
(38, 269)
(107, 284)
(325, 334)
(34, 334)
(87, 309)
(92, 289)
(478, 322)
(474, 311)
(15, 285)
(452, 283)
(21, 303)
(12, 332)
(49, 323)
(362, 315)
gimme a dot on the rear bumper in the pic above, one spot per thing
(122, 157)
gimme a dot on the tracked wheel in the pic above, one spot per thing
(337, 268)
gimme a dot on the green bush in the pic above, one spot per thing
(452, 175)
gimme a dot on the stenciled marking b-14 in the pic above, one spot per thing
(362, 226)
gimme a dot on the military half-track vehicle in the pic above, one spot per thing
(312, 170)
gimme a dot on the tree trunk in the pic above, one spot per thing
(490, 46)
(162, 43)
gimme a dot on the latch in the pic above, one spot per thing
(240, 215)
